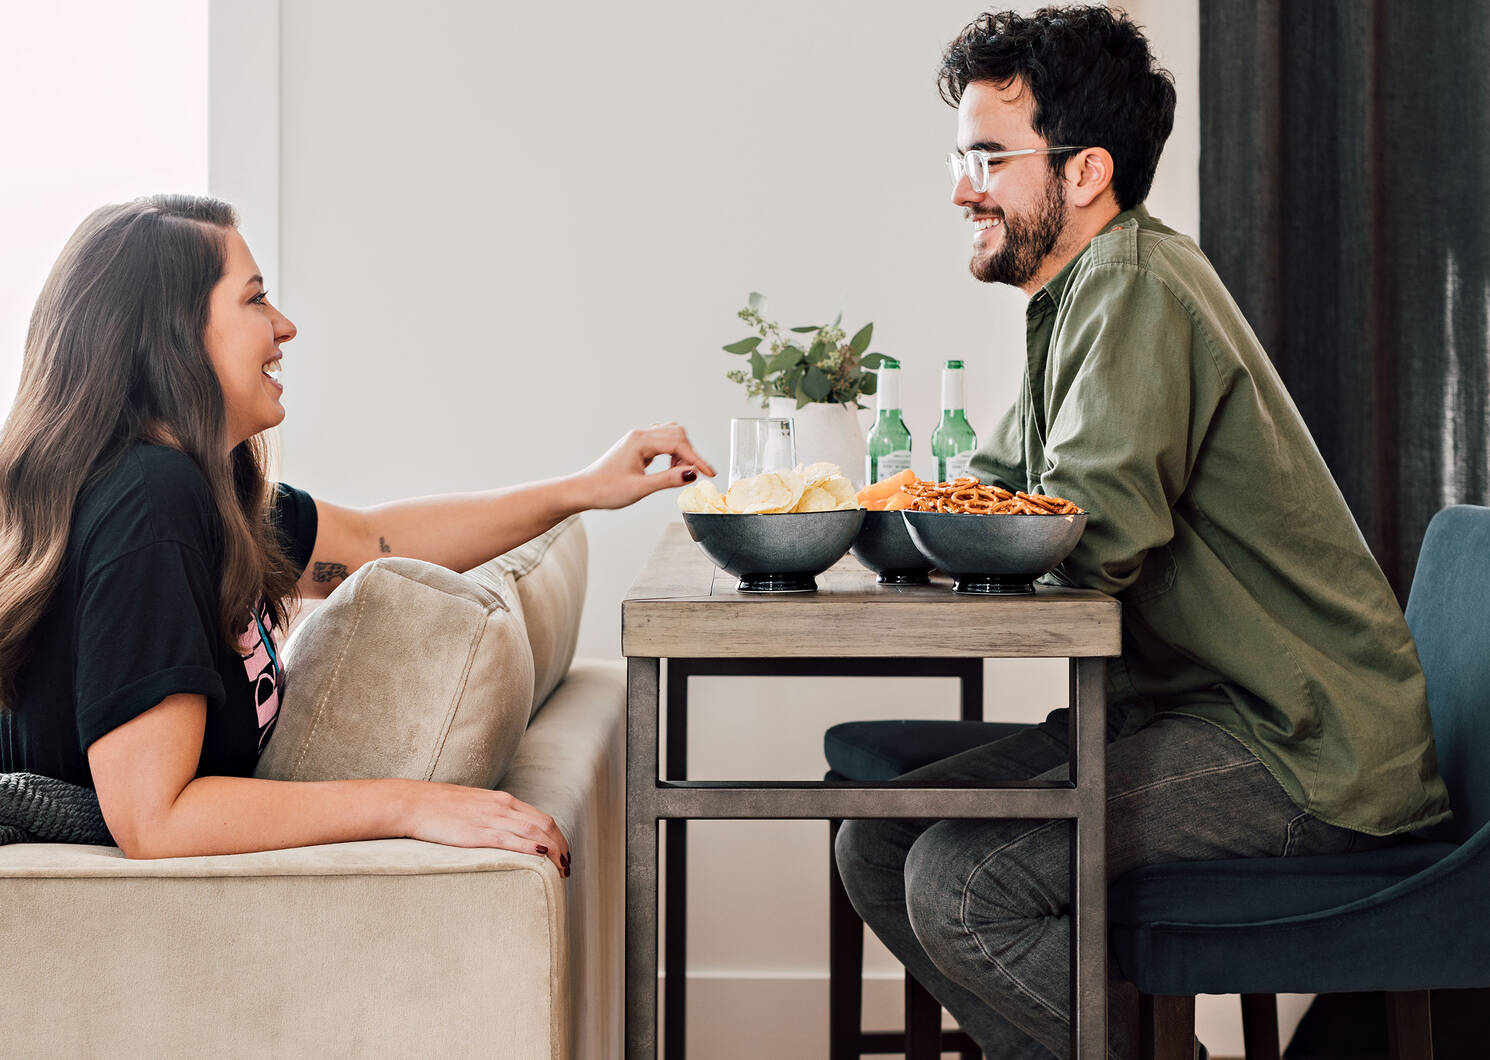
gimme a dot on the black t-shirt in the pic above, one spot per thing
(135, 619)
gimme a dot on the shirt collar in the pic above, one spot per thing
(1050, 294)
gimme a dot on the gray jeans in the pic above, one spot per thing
(977, 910)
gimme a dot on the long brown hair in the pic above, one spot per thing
(115, 354)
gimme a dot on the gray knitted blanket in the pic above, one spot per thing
(36, 809)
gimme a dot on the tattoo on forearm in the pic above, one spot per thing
(383, 546)
(328, 572)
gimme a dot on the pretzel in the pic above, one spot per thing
(968, 496)
(970, 500)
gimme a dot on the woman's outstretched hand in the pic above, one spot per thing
(620, 476)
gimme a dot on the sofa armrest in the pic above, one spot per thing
(371, 857)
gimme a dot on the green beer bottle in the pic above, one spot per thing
(888, 447)
(953, 442)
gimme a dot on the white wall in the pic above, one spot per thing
(508, 233)
(243, 106)
(103, 102)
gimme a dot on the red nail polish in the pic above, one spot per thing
(689, 476)
(543, 850)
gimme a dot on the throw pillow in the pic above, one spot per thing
(549, 573)
(407, 670)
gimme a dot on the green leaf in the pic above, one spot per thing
(757, 365)
(792, 348)
(805, 330)
(803, 399)
(872, 360)
(870, 384)
(758, 302)
(744, 345)
(788, 356)
(815, 384)
(838, 319)
(860, 341)
(815, 355)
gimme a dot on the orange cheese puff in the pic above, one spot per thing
(885, 488)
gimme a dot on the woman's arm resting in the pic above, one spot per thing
(143, 772)
(464, 530)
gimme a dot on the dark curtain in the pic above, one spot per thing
(1345, 201)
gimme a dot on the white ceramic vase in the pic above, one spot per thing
(826, 432)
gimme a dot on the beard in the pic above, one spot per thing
(1028, 240)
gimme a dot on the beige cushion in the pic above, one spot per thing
(407, 670)
(550, 573)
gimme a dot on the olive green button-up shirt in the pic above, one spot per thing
(1250, 598)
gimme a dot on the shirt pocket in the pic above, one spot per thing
(1155, 577)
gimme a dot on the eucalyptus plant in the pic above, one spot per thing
(822, 365)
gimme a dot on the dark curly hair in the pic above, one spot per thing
(1094, 82)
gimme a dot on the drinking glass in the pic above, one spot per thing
(760, 444)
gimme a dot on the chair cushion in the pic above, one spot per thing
(883, 750)
(407, 670)
(550, 573)
(1278, 925)
(1251, 889)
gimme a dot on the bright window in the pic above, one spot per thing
(103, 102)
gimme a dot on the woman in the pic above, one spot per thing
(145, 561)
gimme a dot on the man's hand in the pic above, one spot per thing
(620, 477)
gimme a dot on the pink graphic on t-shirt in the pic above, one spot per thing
(260, 661)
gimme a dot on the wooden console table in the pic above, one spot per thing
(682, 607)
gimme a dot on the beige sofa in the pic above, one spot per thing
(383, 948)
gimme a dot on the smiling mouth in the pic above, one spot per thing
(273, 368)
(982, 224)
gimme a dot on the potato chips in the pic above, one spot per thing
(818, 487)
(702, 496)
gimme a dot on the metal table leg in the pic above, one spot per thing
(1088, 718)
(970, 678)
(641, 857)
(675, 884)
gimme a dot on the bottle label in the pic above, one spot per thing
(957, 465)
(890, 464)
(952, 389)
(887, 393)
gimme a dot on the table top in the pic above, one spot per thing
(682, 606)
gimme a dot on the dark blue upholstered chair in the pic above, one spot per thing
(1405, 919)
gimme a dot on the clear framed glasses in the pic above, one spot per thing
(978, 166)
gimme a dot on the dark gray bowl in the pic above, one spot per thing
(774, 553)
(885, 547)
(994, 553)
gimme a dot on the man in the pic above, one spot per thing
(1268, 700)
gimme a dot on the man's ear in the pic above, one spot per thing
(1088, 175)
